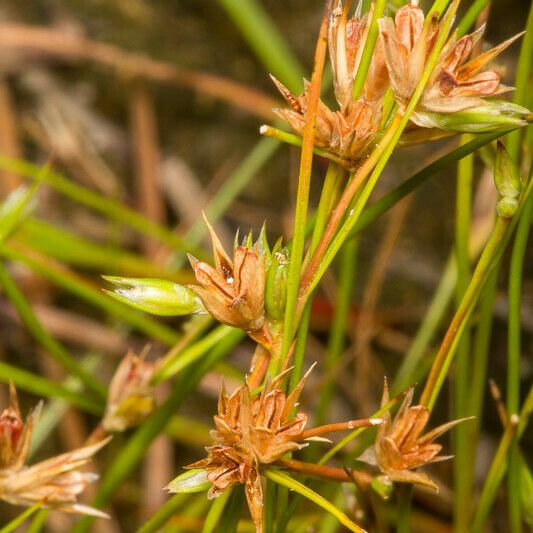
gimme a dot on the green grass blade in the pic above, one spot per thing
(469, 18)
(192, 353)
(215, 512)
(54, 410)
(72, 249)
(265, 40)
(232, 187)
(514, 353)
(48, 389)
(86, 291)
(20, 519)
(378, 208)
(40, 334)
(494, 478)
(283, 479)
(164, 514)
(112, 209)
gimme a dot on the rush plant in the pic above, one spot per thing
(402, 75)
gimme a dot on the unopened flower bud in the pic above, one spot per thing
(15, 434)
(131, 397)
(156, 296)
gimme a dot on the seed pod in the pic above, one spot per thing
(190, 481)
(155, 296)
(493, 116)
(276, 284)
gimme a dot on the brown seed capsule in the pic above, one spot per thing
(400, 446)
(456, 83)
(349, 131)
(233, 291)
(256, 430)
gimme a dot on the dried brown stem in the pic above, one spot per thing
(341, 426)
(9, 141)
(24, 40)
(324, 472)
(146, 159)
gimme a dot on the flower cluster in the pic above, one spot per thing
(400, 447)
(458, 83)
(349, 131)
(56, 483)
(254, 430)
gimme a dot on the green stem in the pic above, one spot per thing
(20, 519)
(470, 17)
(368, 50)
(287, 481)
(513, 357)
(463, 464)
(215, 511)
(164, 514)
(494, 477)
(381, 206)
(522, 81)
(296, 140)
(304, 181)
(336, 341)
(194, 352)
(492, 252)
(38, 521)
(328, 196)
(480, 355)
(448, 347)
(403, 520)
(332, 241)
(40, 334)
(270, 506)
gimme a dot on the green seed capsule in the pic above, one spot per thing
(189, 482)
(156, 296)
(276, 285)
